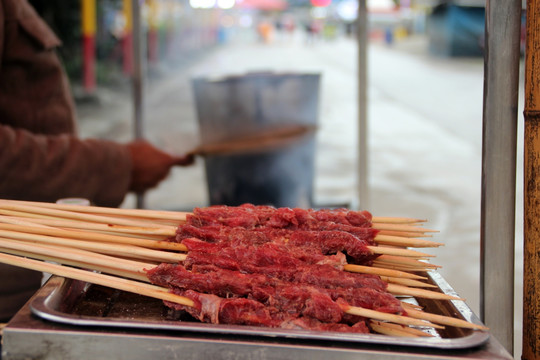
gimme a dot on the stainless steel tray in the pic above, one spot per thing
(81, 304)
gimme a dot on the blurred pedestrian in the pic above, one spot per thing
(290, 26)
(41, 157)
(266, 31)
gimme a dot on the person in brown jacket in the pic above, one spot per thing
(41, 157)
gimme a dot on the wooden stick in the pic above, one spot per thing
(81, 235)
(78, 255)
(150, 244)
(383, 329)
(138, 213)
(169, 231)
(444, 320)
(54, 212)
(396, 220)
(171, 215)
(411, 305)
(22, 221)
(26, 215)
(404, 234)
(128, 251)
(411, 263)
(98, 279)
(71, 256)
(398, 267)
(404, 241)
(148, 254)
(84, 235)
(103, 228)
(397, 252)
(377, 315)
(381, 271)
(407, 282)
(396, 330)
(164, 294)
(421, 293)
(50, 209)
(79, 258)
(404, 228)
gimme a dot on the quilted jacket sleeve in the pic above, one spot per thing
(46, 168)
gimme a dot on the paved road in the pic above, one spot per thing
(424, 133)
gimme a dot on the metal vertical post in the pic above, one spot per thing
(501, 85)
(362, 171)
(139, 72)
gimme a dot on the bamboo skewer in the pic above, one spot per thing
(76, 257)
(382, 250)
(168, 245)
(397, 220)
(396, 330)
(162, 256)
(150, 232)
(131, 251)
(128, 251)
(171, 215)
(381, 271)
(440, 319)
(411, 264)
(62, 239)
(164, 294)
(154, 244)
(98, 279)
(132, 267)
(372, 314)
(48, 224)
(137, 213)
(406, 282)
(162, 244)
(404, 241)
(141, 253)
(155, 232)
(405, 234)
(55, 212)
(85, 235)
(135, 270)
(428, 294)
(401, 227)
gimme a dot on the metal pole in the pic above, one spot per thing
(362, 171)
(139, 72)
(501, 83)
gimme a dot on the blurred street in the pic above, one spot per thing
(424, 135)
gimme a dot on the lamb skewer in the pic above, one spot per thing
(132, 270)
(164, 293)
(175, 216)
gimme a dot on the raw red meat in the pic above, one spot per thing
(323, 242)
(251, 216)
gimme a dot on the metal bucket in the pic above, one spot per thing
(235, 106)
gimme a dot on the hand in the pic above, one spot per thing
(184, 160)
(149, 165)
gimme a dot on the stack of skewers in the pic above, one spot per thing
(324, 270)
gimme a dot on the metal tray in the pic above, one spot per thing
(78, 303)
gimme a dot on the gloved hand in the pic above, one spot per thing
(150, 165)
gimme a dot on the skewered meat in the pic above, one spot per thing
(323, 242)
(253, 216)
(241, 311)
(272, 260)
